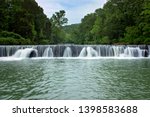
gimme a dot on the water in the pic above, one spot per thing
(88, 52)
(48, 52)
(75, 78)
(75, 72)
(75, 51)
(67, 52)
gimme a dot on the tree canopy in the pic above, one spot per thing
(118, 22)
(25, 18)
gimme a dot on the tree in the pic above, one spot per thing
(26, 18)
(145, 20)
(85, 28)
(97, 30)
(58, 20)
(118, 20)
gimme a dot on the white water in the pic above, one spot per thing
(149, 50)
(83, 52)
(67, 52)
(118, 50)
(24, 53)
(133, 52)
(48, 52)
(75, 52)
(88, 52)
(91, 52)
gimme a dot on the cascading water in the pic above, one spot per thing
(149, 50)
(118, 50)
(133, 52)
(8, 50)
(67, 52)
(88, 52)
(75, 51)
(48, 52)
(106, 50)
(83, 52)
(25, 53)
(91, 52)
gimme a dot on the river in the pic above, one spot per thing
(75, 78)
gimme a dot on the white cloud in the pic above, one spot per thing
(76, 14)
(50, 6)
(75, 9)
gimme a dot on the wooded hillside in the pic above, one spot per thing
(118, 22)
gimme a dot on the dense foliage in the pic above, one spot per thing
(58, 20)
(25, 18)
(10, 38)
(71, 32)
(119, 21)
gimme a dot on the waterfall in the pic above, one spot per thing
(75, 51)
(8, 50)
(91, 52)
(149, 50)
(83, 52)
(67, 52)
(25, 53)
(48, 52)
(118, 50)
(133, 52)
(105, 50)
(88, 52)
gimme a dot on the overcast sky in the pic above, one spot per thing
(75, 9)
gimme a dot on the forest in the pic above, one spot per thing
(23, 22)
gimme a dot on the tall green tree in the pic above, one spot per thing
(145, 20)
(58, 20)
(85, 28)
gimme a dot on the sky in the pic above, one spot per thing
(75, 9)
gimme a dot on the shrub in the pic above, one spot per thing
(10, 35)
(147, 41)
(44, 42)
(105, 40)
(11, 41)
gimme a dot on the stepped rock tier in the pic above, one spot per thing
(28, 51)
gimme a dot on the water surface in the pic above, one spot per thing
(75, 79)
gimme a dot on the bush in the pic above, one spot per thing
(10, 35)
(105, 40)
(10, 38)
(147, 41)
(44, 42)
(11, 41)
